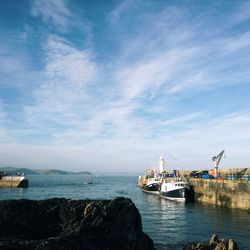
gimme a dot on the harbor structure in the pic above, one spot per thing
(15, 181)
(225, 187)
(222, 192)
(231, 187)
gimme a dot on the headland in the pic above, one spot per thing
(72, 224)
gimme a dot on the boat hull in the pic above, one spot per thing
(175, 195)
(177, 190)
(151, 188)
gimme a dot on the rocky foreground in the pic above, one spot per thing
(72, 224)
(214, 244)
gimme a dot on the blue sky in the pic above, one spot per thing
(112, 85)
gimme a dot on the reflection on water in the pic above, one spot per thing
(172, 224)
(169, 224)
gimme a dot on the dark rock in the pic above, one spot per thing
(72, 224)
(214, 240)
(214, 244)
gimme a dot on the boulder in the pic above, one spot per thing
(72, 224)
(214, 244)
(232, 245)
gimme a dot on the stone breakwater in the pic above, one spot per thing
(225, 193)
(72, 224)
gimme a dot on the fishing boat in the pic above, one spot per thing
(171, 186)
(151, 181)
(176, 188)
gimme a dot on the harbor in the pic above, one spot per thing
(170, 224)
(226, 188)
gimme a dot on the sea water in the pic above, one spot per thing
(170, 224)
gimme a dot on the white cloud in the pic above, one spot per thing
(151, 74)
(118, 11)
(194, 145)
(67, 73)
(169, 52)
(67, 64)
(236, 43)
(4, 133)
(241, 13)
(55, 12)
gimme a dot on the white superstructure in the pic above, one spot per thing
(161, 164)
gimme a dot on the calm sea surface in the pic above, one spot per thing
(169, 224)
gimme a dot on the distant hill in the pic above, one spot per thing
(62, 172)
(11, 170)
(26, 171)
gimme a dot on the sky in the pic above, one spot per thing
(112, 85)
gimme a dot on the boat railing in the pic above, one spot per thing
(174, 179)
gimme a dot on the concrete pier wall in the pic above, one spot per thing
(227, 193)
(13, 181)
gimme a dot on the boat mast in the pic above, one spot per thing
(161, 164)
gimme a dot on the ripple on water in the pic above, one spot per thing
(169, 224)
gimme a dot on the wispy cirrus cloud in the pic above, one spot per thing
(118, 11)
(55, 12)
(148, 75)
(67, 72)
(241, 13)
(4, 133)
(167, 69)
(194, 145)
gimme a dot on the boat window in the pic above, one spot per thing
(176, 185)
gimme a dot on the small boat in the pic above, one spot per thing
(87, 182)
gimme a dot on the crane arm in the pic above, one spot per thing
(216, 159)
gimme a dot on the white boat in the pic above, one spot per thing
(87, 182)
(152, 183)
(176, 189)
(170, 186)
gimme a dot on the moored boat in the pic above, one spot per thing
(176, 190)
(151, 182)
(171, 186)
